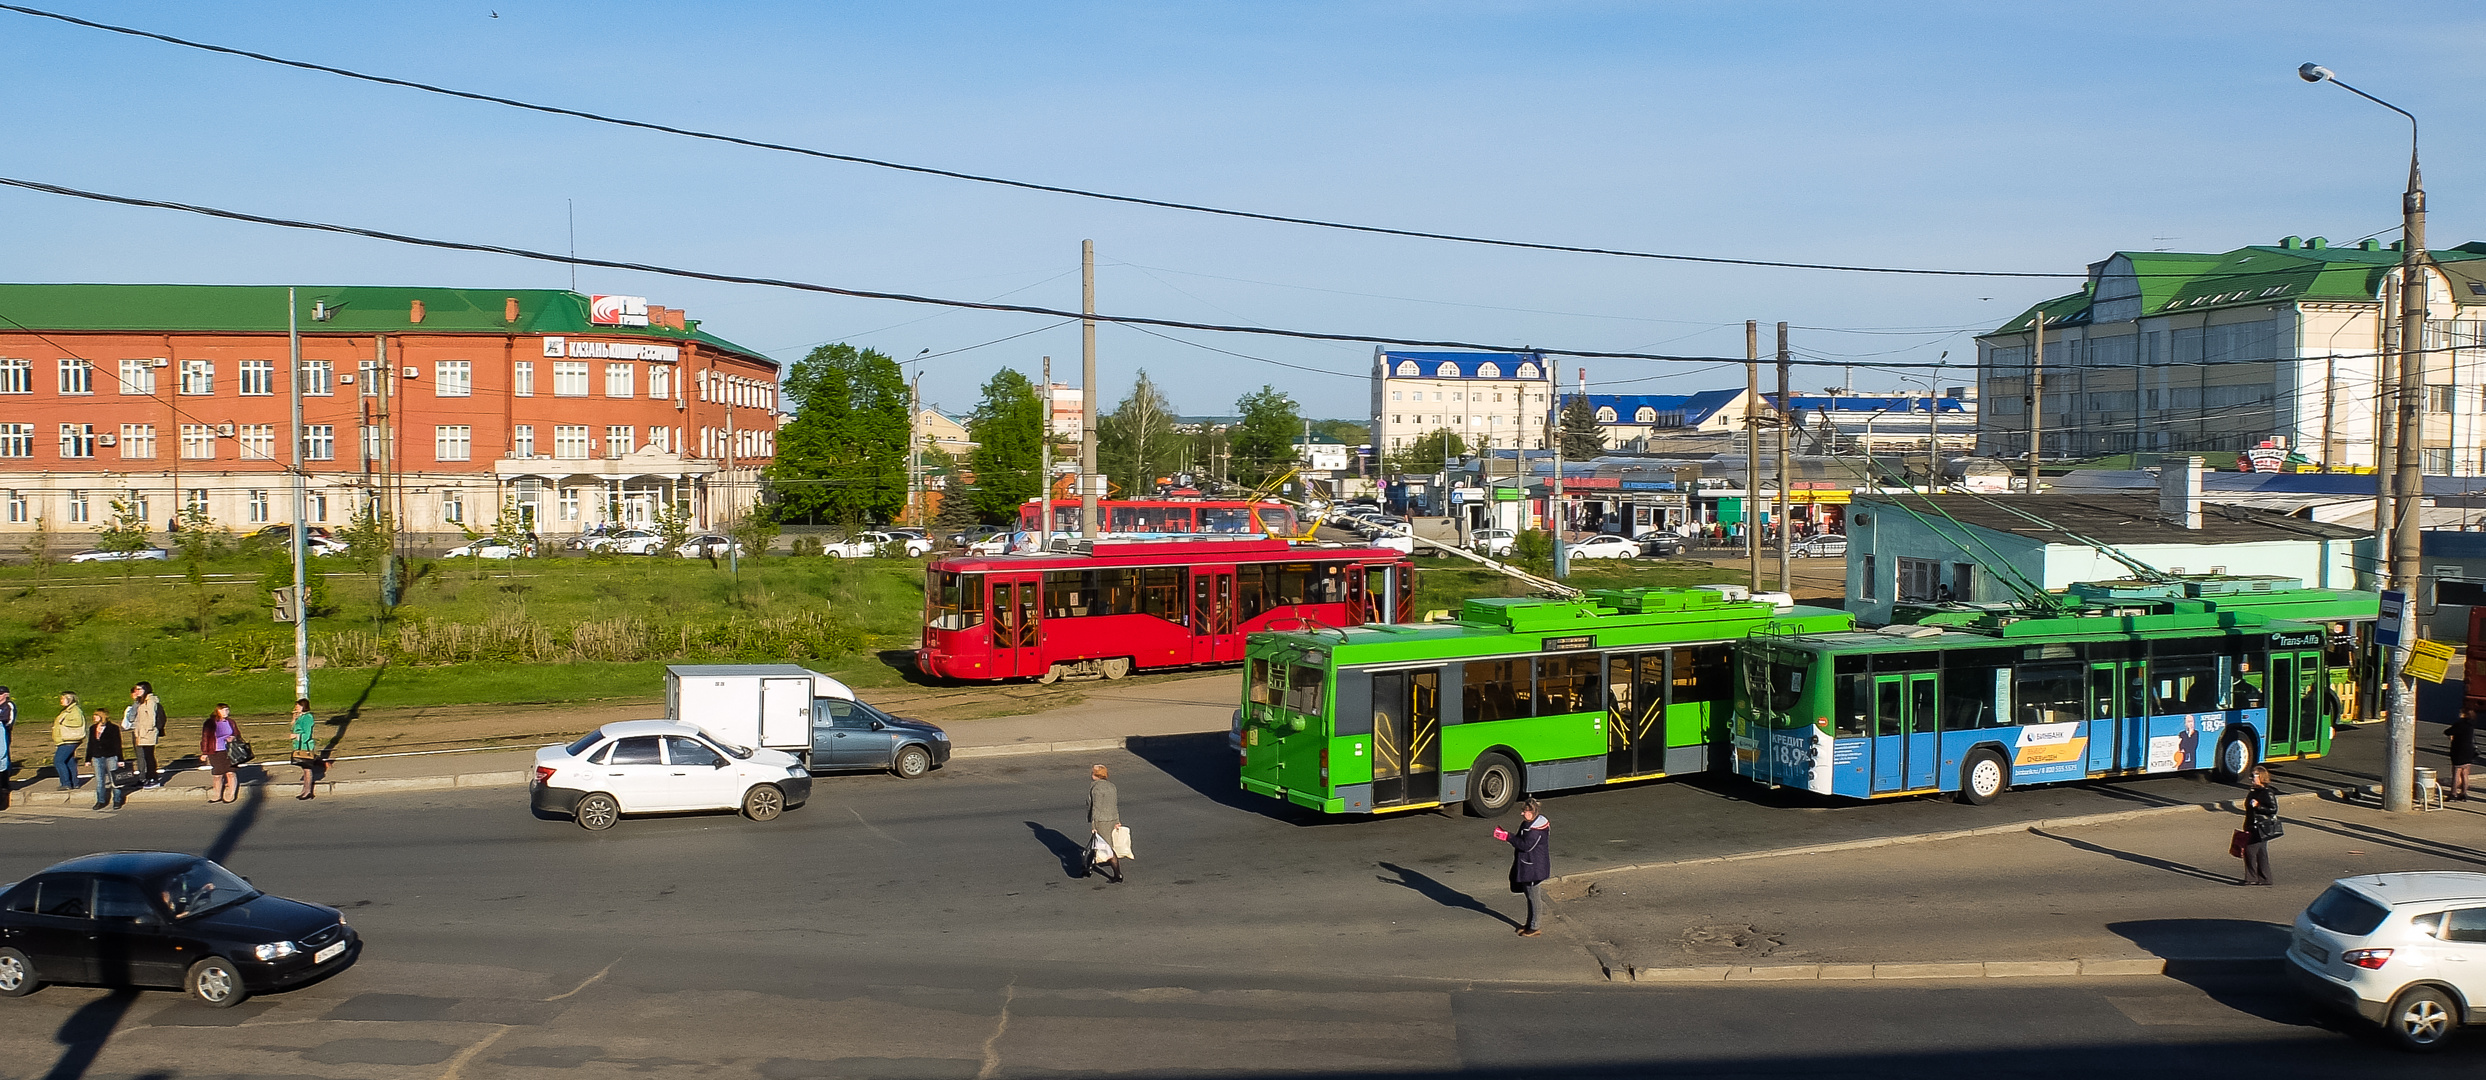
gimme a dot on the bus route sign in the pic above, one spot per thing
(1571, 643)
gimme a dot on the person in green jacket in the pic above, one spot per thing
(305, 745)
(68, 731)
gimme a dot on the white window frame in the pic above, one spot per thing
(198, 378)
(621, 380)
(79, 510)
(77, 441)
(77, 377)
(522, 441)
(258, 442)
(453, 442)
(198, 442)
(319, 442)
(138, 442)
(453, 378)
(617, 439)
(571, 442)
(137, 378)
(319, 378)
(17, 440)
(258, 512)
(522, 379)
(255, 378)
(569, 378)
(659, 382)
(17, 375)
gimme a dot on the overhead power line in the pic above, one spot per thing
(1026, 185)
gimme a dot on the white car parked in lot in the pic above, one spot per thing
(656, 766)
(489, 547)
(627, 542)
(1493, 543)
(1819, 547)
(867, 545)
(140, 555)
(1608, 546)
(706, 546)
(2406, 951)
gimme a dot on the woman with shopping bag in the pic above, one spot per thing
(1108, 842)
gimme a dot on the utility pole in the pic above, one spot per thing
(2330, 392)
(1553, 426)
(2037, 388)
(301, 507)
(1044, 467)
(2400, 738)
(915, 449)
(1087, 390)
(1752, 448)
(1933, 434)
(1786, 412)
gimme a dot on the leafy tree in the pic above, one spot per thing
(1425, 455)
(844, 452)
(1136, 443)
(957, 513)
(1582, 439)
(673, 523)
(756, 531)
(1263, 442)
(39, 545)
(125, 530)
(200, 539)
(1008, 429)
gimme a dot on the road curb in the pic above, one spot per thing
(2172, 967)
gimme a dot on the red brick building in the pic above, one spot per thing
(446, 404)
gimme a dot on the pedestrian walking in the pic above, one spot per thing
(2261, 826)
(8, 733)
(1104, 816)
(103, 751)
(68, 730)
(1532, 859)
(215, 737)
(305, 745)
(145, 721)
(2463, 752)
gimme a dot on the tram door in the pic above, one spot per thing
(1636, 702)
(1213, 640)
(1906, 740)
(2116, 706)
(1017, 630)
(1406, 737)
(2295, 718)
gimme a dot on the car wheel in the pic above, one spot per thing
(597, 812)
(1492, 786)
(215, 983)
(913, 762)
(17, 974)
(834, 554)
(2422, 1019)
(763, 802)
(1983, 778)
(2235, 758)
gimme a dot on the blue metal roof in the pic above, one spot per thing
(1856, 403)
(1463, 365)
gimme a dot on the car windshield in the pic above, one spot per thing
(2342, 911)
(743, 752)
(584, 741)
(199, 888)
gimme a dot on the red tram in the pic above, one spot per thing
(1173, 515)
(1145, 604)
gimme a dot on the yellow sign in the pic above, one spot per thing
(2431, 660)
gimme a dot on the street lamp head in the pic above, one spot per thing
(2314, 73)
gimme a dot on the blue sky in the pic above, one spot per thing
(1970, 135)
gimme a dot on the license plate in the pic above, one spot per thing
(327, 954)
(2316, 954)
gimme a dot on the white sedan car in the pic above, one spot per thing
(490, 547)
(1608, 546)
(627, 542)
(1494, 543)
(709, 545)
(1819, 547)
(140, 555)
(867, 545)
(659, 766)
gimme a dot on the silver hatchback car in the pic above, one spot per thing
(2406, 951)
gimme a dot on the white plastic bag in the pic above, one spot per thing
(1122, 842)
(1100, 850)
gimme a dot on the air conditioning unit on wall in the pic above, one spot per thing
(224, 431)
(108, 440)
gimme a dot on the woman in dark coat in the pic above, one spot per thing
(2463, 753)
(1532, 860)
(2261, 824)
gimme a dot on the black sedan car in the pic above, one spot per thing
(163, 919)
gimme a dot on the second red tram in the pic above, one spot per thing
(1131, 605)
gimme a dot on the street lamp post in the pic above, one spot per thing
(1933, 425)
(2399, 774)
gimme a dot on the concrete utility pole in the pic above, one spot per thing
(1786, 413)
(1752, 448)
(301, 507)
(1087, 390)
(1044, 467)
(2037, 388)
(915, 449)
(2400, 735)
(1555, 519)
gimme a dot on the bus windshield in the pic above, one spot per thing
(957, 600)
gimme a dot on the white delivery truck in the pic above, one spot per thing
(802, 712)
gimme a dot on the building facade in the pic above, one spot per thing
(1490, 400)
(2218, 353)
(1632, 421)
(444, 407)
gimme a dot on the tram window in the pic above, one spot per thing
(958, 601)
(1496, 690)
(1852, 712)
(1567, 684)
(2340, 652)
(1249, 599)
(1161, 593)
(2244, 680)
(1327, 583)
(1225, 519)
(1258, 682)
(1704, 673)
(1849, 665)
(2048, 694)
(1889, 714)
(1277, 520)
(1287, 584)
(1303, 689)
(2182, 684)
(1968, 697)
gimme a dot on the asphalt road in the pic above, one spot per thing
(936, 928)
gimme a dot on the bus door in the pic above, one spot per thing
(1015, 619)
(1385, 592)
(1406, 737)
(1213, 639)
(2116, 706)
(1638, 693)
(2295, 696)
(1906, 739)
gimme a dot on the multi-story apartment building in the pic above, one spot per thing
(443, 405)
(2217, 353)
(1491, 400)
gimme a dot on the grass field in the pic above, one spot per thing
(576, 629)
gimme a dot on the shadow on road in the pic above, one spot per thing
(1204, 764)
(2233, 961)
(2369, 834)
(2150, 861)
(1073, 855)
(1438, 892)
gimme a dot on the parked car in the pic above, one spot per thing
(140, 555)
(284, 533)
(2406, 951)
(625, 542)
(1661, 544)
(490, 547)
(972, 536)
(165, 920)
(870, 544)
(1608, 546)
(321, 545)
(708, 546)
(908, 531)
(658, 766)
(998, 543)
(1494, 543)
(1828, 545)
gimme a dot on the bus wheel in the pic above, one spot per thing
(1051, 675)
(1982, 778)
(1115, 668)
(1492, 786)
(2235, 758)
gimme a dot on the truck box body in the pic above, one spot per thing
(751, 704)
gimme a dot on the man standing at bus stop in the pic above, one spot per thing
(1532, 859)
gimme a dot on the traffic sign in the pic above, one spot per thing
(2387, 627)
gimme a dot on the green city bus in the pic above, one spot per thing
(1513, 695)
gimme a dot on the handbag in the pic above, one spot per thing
(237, 750)
(306, 758)
(2235, 844)
(2272, 830)
(124, 775)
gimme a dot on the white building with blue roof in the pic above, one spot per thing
(1490, 400)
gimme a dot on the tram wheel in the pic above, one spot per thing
(1492, 786)
(1115, 668)
(1983, 778)
(1051, 675)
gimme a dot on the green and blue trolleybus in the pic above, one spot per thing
(1515, 695)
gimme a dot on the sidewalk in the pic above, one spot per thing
(1107, 717)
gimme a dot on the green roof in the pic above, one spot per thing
(352, 309)
(2288, 271)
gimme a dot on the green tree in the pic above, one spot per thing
(1008, 429)
(1136, 443)
(1425, 455)
(124, 531)
(200, 539)
(1582, 439)
(843, 455)
(1263, 442)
